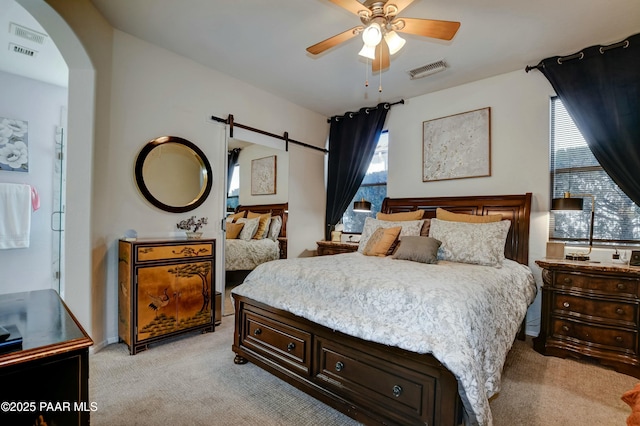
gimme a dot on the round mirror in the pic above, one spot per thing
(173, 174)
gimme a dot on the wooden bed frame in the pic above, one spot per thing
(370, 382)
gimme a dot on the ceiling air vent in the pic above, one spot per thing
(426, 70)
(21, 49)
(27, 33)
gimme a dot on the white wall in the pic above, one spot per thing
(519, 149)
(155, 93)
(41, 105)
(253, 152)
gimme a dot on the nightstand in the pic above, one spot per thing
(591, 310)
(331, 247)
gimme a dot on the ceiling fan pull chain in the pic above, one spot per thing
(380, 87)
(366, 73)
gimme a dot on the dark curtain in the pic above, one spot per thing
(232, 160)
(600, 88)
(352, 143)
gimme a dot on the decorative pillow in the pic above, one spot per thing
(414, 215)
(443, 214)
(234, 217)
(233, 230)
(418, 249)
(409, 227)
(263, 226)
(275, 227)
(382, 241)
(249, 229)
(479, 243)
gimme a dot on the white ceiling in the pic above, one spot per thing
(263, 42)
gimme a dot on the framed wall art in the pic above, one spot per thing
(263, 176)
(457, 146)
(14, 152)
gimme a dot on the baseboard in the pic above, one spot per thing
(96, 347)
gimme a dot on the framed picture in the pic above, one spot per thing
(263, 176)
(14, 150)
(457, 146)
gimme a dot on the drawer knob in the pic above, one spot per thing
(565, 304)
(567, 280)
(565, 328)
(397, 390)
(619, 339)
(619, 311)
(257, 331)
(339, 366)
(291, 346)
(621, 286)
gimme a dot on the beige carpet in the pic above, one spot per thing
(193, 381)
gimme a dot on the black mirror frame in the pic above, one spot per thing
(146, 150)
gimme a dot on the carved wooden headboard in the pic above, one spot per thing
(281, 210)
(516, 208)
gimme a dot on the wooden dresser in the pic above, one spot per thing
(165, 288)
(591, 310)
(330, 247)
(46, 380)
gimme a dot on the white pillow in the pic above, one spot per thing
(249, 229)
(409, 227)
(478, 243)
(275, 227)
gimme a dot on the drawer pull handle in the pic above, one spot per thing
(567, 280)
(291, 346)
(257, 331)
(397, 390)
(565, 328)
(621, 286)
(619, 311)
(339, 366)
(565, 304)
(619, 339)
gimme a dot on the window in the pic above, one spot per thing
(576, 170)
(372, 189)
(234, 190)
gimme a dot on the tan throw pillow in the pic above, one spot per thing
(418, 249)
(397, 217)
(234, 217)
(382, 241)
(263, 226)
(443, 214)
(233, 230)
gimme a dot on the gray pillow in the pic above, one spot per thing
(418, 249)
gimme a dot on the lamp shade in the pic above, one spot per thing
(368, 52)
(362, 206)
(394, 41)
(567, 203)
(372, 34)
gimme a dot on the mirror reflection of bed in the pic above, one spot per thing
(241, 256)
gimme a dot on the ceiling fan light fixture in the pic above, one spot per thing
(368, 52)
(394, 41)
(372, 35)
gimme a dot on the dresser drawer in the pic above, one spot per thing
(621, 313)
(278, 341)
(376, 382)
(597, 283)
(149, 253)
(616, 339)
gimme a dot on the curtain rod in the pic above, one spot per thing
(401, 101)
(284, 137)
(624, 44)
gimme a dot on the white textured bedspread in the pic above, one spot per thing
(467, 316)
(241, 255)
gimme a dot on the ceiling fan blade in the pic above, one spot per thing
(334, 41)
(353, 6)
(444, 30)
(382, 50)
(399, 4)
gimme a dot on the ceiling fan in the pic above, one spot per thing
(380, 24)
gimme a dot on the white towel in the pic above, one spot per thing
(15, 215)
